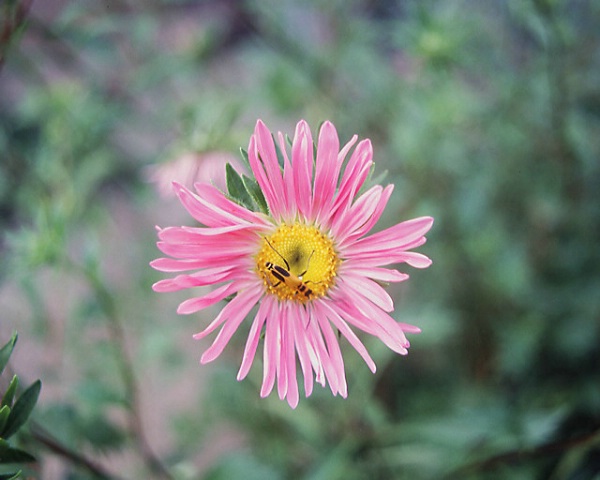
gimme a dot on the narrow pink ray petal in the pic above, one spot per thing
(259, 173)
(374, 273)
(213, 195)
(362, 313)
(282, 371)
(192, 305)
(268, 157)
(327, 168)
(371, 220)
(354, 176)
(172, 265)
(378, 259)
(236, 303)
(231, 325)
(289, 352)
(324, 215)
(194, 234)
(205, 212)
(358, 214)
(213, 251)
(302, 163)
(271, 350)
(347, 332)
(205, 277)
(316, 340)
(393, 238)
(333, 348)
(254, 337)
(288, 182)
(370, 289)
(297, 315)
(306, 320)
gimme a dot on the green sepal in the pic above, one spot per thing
(9, 395)
(11, 475)
(256, 193)
(280, 158)
(4, 413)
(6, 351)
(22, 409)
(236, 188)
(244, 154)
(9, 454)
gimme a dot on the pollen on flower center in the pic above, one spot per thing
(297, 262)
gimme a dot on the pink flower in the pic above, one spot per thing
(192, 167)
(308, 266)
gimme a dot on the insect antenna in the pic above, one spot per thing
(287, 265)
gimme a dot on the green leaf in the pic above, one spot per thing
(22, 409)
(236, 188)
(9, 395)
(4, 413)
(256, 193)
(6, 351)
(9, 454)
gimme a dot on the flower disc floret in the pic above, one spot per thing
(304, 252)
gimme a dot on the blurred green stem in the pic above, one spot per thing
(106, 300)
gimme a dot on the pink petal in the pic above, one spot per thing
(302, 164)
(250, 297)
(268, 157)
(374, 273)
(316, 340)
(371, 219)
(359, 311)
(373, 291)
(271, 350)
(393, 238)
(204, 211)
(335, 354)
(357, 215)
(214, 196)
(282, 377)
(342, 326)
(301, 347)
(214, 253)
(254, 337)
(288, 182)
(290, 359)
(377, 259)
(192, 305)
(208, 276)
(238, 302)
(354, 176)
(327, 168)
(172, 265)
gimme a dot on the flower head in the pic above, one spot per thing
(296, 246)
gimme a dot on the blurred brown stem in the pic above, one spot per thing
(12, 23)
(45, 438)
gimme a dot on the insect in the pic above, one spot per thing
(283, 275)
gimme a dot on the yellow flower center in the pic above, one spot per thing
(297, 262)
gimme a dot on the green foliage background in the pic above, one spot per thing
(485, 114)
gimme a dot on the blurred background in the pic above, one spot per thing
(485, 115)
